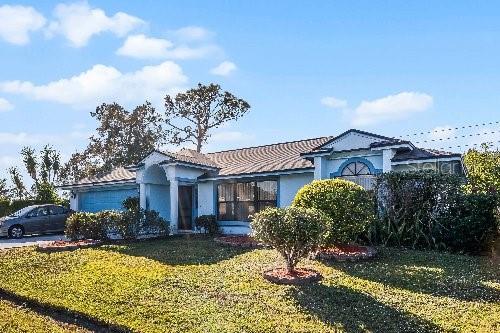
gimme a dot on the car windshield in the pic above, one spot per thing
(22, 211)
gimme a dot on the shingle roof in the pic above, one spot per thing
(192, 157)
(420, 154)
(268, 158)
(117, 175)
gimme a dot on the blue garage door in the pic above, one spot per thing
(111, 199)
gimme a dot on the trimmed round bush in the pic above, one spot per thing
(294, 231)
(349, 206)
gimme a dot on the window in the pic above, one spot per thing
(237, 201)
(359, 173)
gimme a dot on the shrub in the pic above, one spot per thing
(208, 223)
(349, 206)
(127, 225)
(84, 225)
(131, 203)
(294, 232)
(412, 206)
(471, 225)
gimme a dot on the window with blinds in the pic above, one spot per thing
(237, 201)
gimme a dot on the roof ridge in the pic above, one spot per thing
(267, 145)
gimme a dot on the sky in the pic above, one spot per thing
(308, 69)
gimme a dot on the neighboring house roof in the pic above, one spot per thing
(268, 158)
(421, 154)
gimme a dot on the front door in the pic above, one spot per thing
(185, 207)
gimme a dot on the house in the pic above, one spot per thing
(234, 184)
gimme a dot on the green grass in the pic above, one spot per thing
(14, 319)
(195, 285)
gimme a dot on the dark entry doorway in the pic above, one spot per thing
(185, 207)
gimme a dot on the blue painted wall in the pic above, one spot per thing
(159, 199)
(105, 199)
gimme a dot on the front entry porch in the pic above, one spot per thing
(171, 190)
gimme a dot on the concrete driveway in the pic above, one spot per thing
(6, 243)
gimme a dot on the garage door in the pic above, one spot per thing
(112, 199)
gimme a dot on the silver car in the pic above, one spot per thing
(37, 219)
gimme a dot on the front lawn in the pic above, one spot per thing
(195, 285)
(14, 319)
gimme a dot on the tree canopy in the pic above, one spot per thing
(122, 138)
(483, 170)
(191, 115)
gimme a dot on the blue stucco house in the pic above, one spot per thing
(234, 184)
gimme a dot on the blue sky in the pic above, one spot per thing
(389, 67)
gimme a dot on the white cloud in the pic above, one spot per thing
(192, 33)
(16, 22)
(391, 107)
(102, 84)
(5, 105)
(143, 47)
(224, 68)
(230, 136)
(78, 22)
(333, 102)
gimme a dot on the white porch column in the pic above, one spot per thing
(174, 204)
(142, 195)
(387, 155)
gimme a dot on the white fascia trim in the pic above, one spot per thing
(443, 159)
(354, 155)
(188, 165)
(102, 184)
(404, 145)
(264, 174)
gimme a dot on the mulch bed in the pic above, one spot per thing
(58, 246)
(239, 241)
(300, 276)
(347, 253)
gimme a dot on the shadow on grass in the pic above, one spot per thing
(357, 312)
(455, 276)
(179, 250)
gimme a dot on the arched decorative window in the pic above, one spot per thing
(359, 173)
(356, 169)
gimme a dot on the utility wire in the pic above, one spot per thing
(450, 129)
(456, 137)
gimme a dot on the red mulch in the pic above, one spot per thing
(238, 241)
(300, 276)
(68, 245)
(344, 252)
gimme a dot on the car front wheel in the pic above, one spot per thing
(16, 231)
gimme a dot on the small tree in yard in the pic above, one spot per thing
(198, 111)
(294, 232)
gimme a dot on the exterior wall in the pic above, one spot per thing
(73, 201)
(158, 199)
(206, 198)
(290, 184)
(352, 141)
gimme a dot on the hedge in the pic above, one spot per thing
(431, 210)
